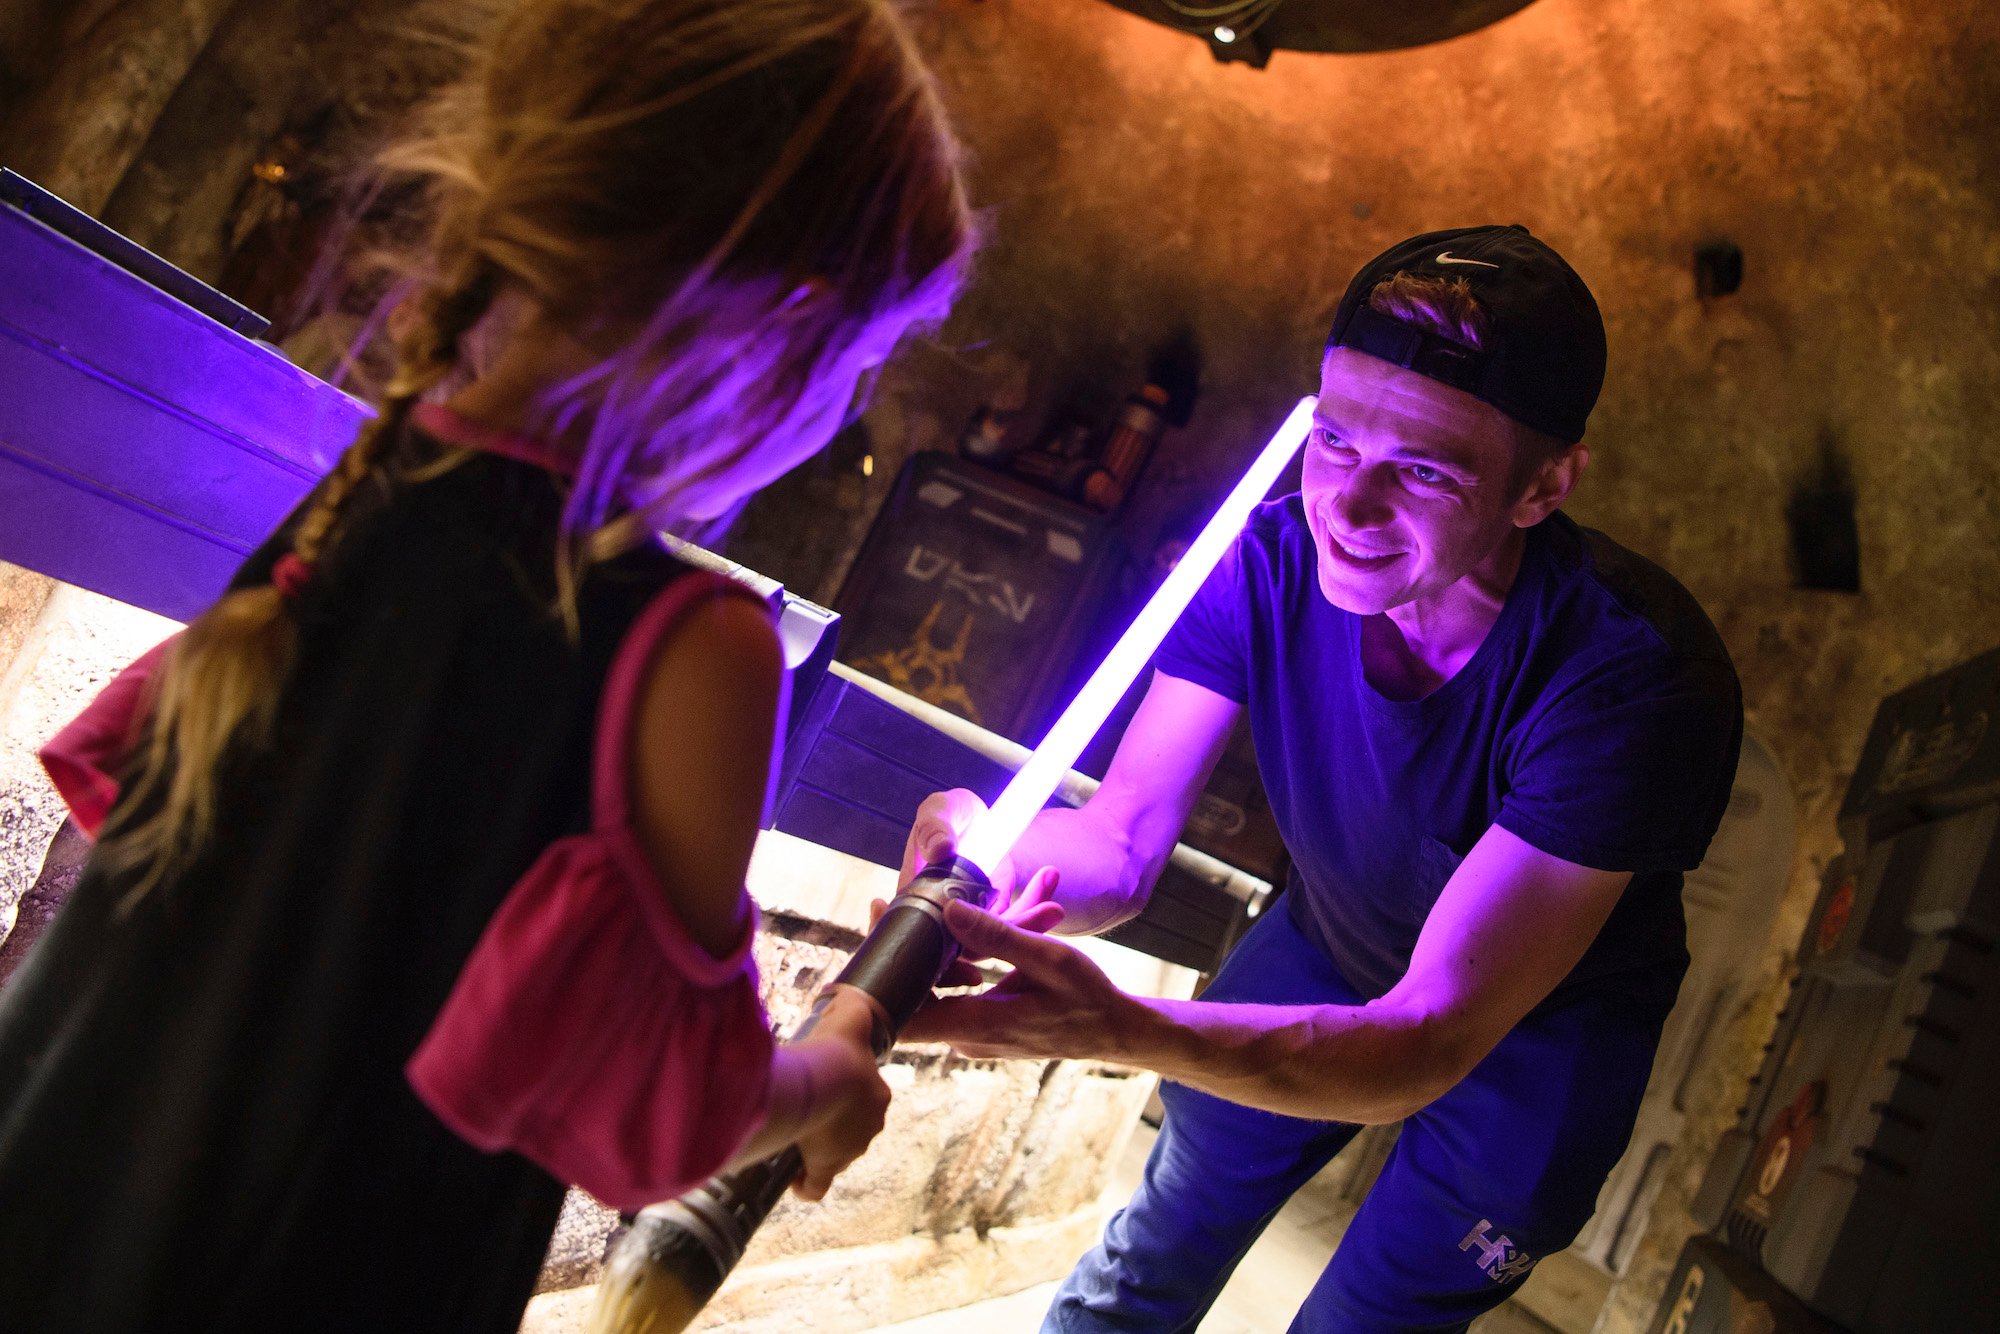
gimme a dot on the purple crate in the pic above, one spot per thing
(145, 448)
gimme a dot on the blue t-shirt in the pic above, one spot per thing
(1599, 721)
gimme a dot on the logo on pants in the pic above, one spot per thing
(1498, 1256)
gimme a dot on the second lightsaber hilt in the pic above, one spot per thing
(675, 1255)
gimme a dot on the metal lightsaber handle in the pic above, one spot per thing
(673, 1257)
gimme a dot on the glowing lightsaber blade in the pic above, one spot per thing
(674, 1255)
(995, 831)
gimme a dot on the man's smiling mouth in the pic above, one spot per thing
(1361, 556)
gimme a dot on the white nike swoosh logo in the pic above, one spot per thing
(1444, 257)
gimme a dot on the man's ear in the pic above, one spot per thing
(1551, 485)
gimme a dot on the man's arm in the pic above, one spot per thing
(1508, 927)
(1108, 852)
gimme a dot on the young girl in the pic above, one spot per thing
(435, 826)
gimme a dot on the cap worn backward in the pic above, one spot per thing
(1542, 357)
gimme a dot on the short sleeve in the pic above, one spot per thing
(1629, 769)
(573, 1038)
(1209, 644)
(84, 759)
(588, 1031)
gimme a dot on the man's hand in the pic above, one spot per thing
(1056, 1002)
(1112, 848)
(1034, 909)
(941, 820)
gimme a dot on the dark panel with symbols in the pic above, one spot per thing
(979, 595)
(1715, 1291)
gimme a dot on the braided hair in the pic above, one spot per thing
(218, 685)
(733, 205)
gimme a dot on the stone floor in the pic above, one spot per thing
(1262, 1295)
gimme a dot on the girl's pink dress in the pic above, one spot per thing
(357, 929)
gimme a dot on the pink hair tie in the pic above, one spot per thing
(291, 575)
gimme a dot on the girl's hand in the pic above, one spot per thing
(848, 1100)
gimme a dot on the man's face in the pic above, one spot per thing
(1409, 484)
(832, 401)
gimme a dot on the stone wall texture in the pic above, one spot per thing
(58, 646)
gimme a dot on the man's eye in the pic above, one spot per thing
(1330, 443)
(1427, 475)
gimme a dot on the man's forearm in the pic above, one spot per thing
(1367, 1064)
(1103, 879)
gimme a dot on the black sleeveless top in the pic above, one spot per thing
(203, 1119)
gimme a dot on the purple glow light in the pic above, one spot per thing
(145, 448)
(990, 835)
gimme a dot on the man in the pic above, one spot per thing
(1493, 741)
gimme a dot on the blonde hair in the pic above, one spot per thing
(1448, 306)
(734, 203)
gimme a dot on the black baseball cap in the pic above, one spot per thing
(1543, 359)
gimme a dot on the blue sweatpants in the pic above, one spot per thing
(1500, 1171)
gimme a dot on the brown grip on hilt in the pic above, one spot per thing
(673, 1256)
(906, 952)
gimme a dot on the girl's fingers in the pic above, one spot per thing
(1035, 908)
(1040, 917)
(962, 973)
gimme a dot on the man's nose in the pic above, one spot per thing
(1363, 500)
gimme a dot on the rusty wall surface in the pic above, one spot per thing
(84, 85)
(1134, 186)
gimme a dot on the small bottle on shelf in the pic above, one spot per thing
(1138, 428)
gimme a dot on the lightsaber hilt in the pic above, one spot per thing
(674, 1256)
(907, 952)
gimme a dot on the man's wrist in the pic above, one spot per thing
(1143, 1033)
(1095, 915)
